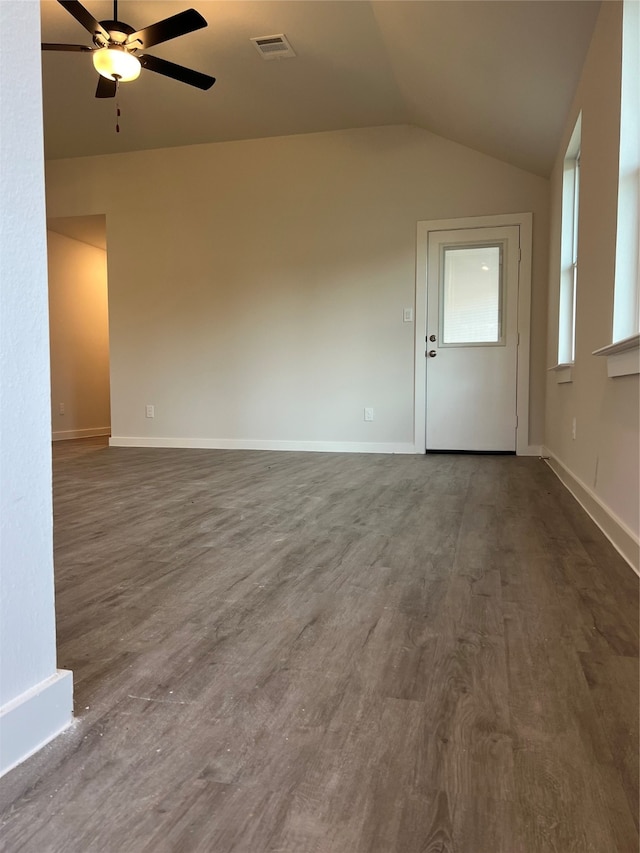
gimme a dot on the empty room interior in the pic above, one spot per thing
(319, 426)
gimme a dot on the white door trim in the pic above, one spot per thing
(525, 223)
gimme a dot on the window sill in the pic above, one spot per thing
(563, 372)
(623, 357)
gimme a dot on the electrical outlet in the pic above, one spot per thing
(150, 411)
(368, 414)
(573, 429)
(61, 408)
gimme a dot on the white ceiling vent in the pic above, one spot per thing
(273, 47)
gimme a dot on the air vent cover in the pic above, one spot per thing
(273, 47)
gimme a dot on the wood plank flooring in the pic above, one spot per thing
(317, 653)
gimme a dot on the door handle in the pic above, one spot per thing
(432, 353)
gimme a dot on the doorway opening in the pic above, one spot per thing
(79, 327)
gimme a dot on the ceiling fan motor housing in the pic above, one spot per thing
(118, 34)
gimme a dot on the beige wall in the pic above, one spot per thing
(601, 464)
(79, 337)
(257, 287)
(36, 701)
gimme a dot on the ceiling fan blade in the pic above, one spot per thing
(106, 88)
(177, 72)
(83, 17)
(80, 48)
(177, 25)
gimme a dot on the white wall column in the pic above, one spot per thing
(35, 698)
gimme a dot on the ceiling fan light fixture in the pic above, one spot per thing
(116, 63)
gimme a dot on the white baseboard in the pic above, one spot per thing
(269, 444)
(258, 444)
(65, 434)
(34, 718)
(623, 539)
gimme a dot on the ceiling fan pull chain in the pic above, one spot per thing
(117, 118)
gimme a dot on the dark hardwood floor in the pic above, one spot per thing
(318, 653)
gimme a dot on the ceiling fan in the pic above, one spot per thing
(116, 55)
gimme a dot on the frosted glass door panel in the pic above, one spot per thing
(471, 295)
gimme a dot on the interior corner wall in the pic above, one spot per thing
(256, 288)
(79, 337)
(35, 698)
(601, 464)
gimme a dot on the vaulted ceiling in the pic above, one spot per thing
(495, 76)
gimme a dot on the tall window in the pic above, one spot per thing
(569, 249)
(626, 307)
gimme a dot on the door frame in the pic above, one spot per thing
(525, 223)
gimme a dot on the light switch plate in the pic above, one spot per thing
(407, 315)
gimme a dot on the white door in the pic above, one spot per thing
(472, 339)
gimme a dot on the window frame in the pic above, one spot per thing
(623, 353)
(568, 296)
